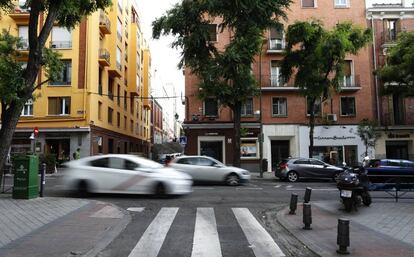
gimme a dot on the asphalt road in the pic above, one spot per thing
(218, 219)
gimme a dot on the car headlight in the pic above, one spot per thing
(245, 172)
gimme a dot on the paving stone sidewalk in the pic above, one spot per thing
(384, 229)
(53, 226)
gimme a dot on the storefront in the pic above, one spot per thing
(395, 144)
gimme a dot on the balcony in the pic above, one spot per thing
(104, 24)
(24, 47)
(389, 38)
(104, 57)
(20, 13)
(61, 44)
(116, 71)
(276, 83)
(350, 83)
(276, 46)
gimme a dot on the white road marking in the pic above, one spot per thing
(313, 189)
(277, 186)
(262, 242)
(136, 209)
(289, 186)
(249, 188)
(151, 241)
(206, 239)
(204, 188)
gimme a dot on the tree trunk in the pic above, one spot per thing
(311, 124)
(237, 126)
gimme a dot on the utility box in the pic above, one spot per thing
(26, 181)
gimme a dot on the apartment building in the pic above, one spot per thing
(100, 105)
(280, 112)
(395, 112)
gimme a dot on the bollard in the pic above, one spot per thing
(293, 203)
(307, 216)
(42, 179)
(307, 195)
(343, 236)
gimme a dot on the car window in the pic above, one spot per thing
(129, 165)
(407, 164)
(101, 163)
(185, 161)
(393, 163)
(302, 161)
(116, 163)
(316, 162)
(145, 163)
(205, 162)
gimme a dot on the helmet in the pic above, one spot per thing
(366, 158)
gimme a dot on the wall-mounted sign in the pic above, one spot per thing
(392, 135)
(212, 134)
(334, 137)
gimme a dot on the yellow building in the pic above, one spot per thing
(101, 104)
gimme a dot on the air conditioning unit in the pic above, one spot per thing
(331, 117)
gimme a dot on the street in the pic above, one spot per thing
(169, 226)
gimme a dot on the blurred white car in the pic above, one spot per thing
(207, 169)
(127, 174)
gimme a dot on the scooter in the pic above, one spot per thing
(353, 187)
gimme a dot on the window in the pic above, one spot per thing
(247, 107)
(341, 3)
(279, 106)
(125, 99)
(348, 106)
(110, 114)
(28, 108)
(391, 29)
(276, 41)
(118, 119)
(317, 107)
(348, 80)
(131, 125)
(248, 148)
(210, 107)
(125, 123)
(120, 5)
(99, 110)
(59, 105)
(118, 58)
(24, 37)
(119, 29)
(118, 96)
(66, 77)
(100, 82)
(61, 38)
(111, 88)
(276, 79)
(309, 3)
(212, 32)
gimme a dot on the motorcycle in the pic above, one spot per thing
(353, 186)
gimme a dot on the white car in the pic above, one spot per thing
(127, 174)
(207, 169)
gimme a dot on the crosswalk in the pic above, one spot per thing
(212, 234)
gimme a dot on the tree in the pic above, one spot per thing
(18, 83)
(399, 68)
(367, 131)
(314, 58)
(223, 73)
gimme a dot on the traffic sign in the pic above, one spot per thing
(36, 132)
(183, 140)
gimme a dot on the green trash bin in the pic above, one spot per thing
(26, 181)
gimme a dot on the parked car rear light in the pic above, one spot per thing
(283, 166)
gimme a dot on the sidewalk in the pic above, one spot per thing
(53, 226)
(384, 229)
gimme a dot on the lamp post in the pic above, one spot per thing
(261, 137)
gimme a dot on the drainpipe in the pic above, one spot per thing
(375, 68)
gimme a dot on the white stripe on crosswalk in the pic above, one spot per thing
(262, 242)
(151, 241)
(206, 239)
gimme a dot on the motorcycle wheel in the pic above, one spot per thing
(366, 198)
(348, 203)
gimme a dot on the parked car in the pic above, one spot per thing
(129, 174)
(293, 169)
(390, 169)
(207, 169)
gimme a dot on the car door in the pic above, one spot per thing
(209, 170)
(102, 173)
(187, 165)
(321, 169)
(303, 167)
(140, 177)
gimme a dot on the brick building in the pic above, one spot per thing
(284, 117)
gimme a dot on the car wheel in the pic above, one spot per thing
(232, 179)
(83, 189)
(160, 190)
(292, 176)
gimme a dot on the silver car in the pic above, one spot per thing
(207, 169)
(294, 168)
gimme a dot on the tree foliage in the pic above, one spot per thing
(367, 131)
(315, 58)
(399, 69)
(223, 73)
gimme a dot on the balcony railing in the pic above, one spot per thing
(277, 81)
(24, 44)
(350, 81)
(276, 45)
(61, 44)
(104, 23)
(104, 57)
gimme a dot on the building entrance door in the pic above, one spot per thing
(397, 149)
(60, 148)
(280, 150)
(213, 149)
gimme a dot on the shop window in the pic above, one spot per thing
(66, 76)
(247, 107)
(317, 107)
(210, 107)
(59, 105)
(28, 108)
(279, 106)
(309, 3)
(249, 148)
(348, 106)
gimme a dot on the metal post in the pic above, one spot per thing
(343, 236)
(261, 115)
(307, 216)
(293, 203)
(42, 179)
(307, 194)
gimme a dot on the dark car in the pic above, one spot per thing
(390, 170)
(293, 169)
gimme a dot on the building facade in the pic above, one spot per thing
(280, 112)
(395, 112)
(100, 106)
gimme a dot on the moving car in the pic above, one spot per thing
(391, 169)
(129, 174)
(293, 169)
(207, 169)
